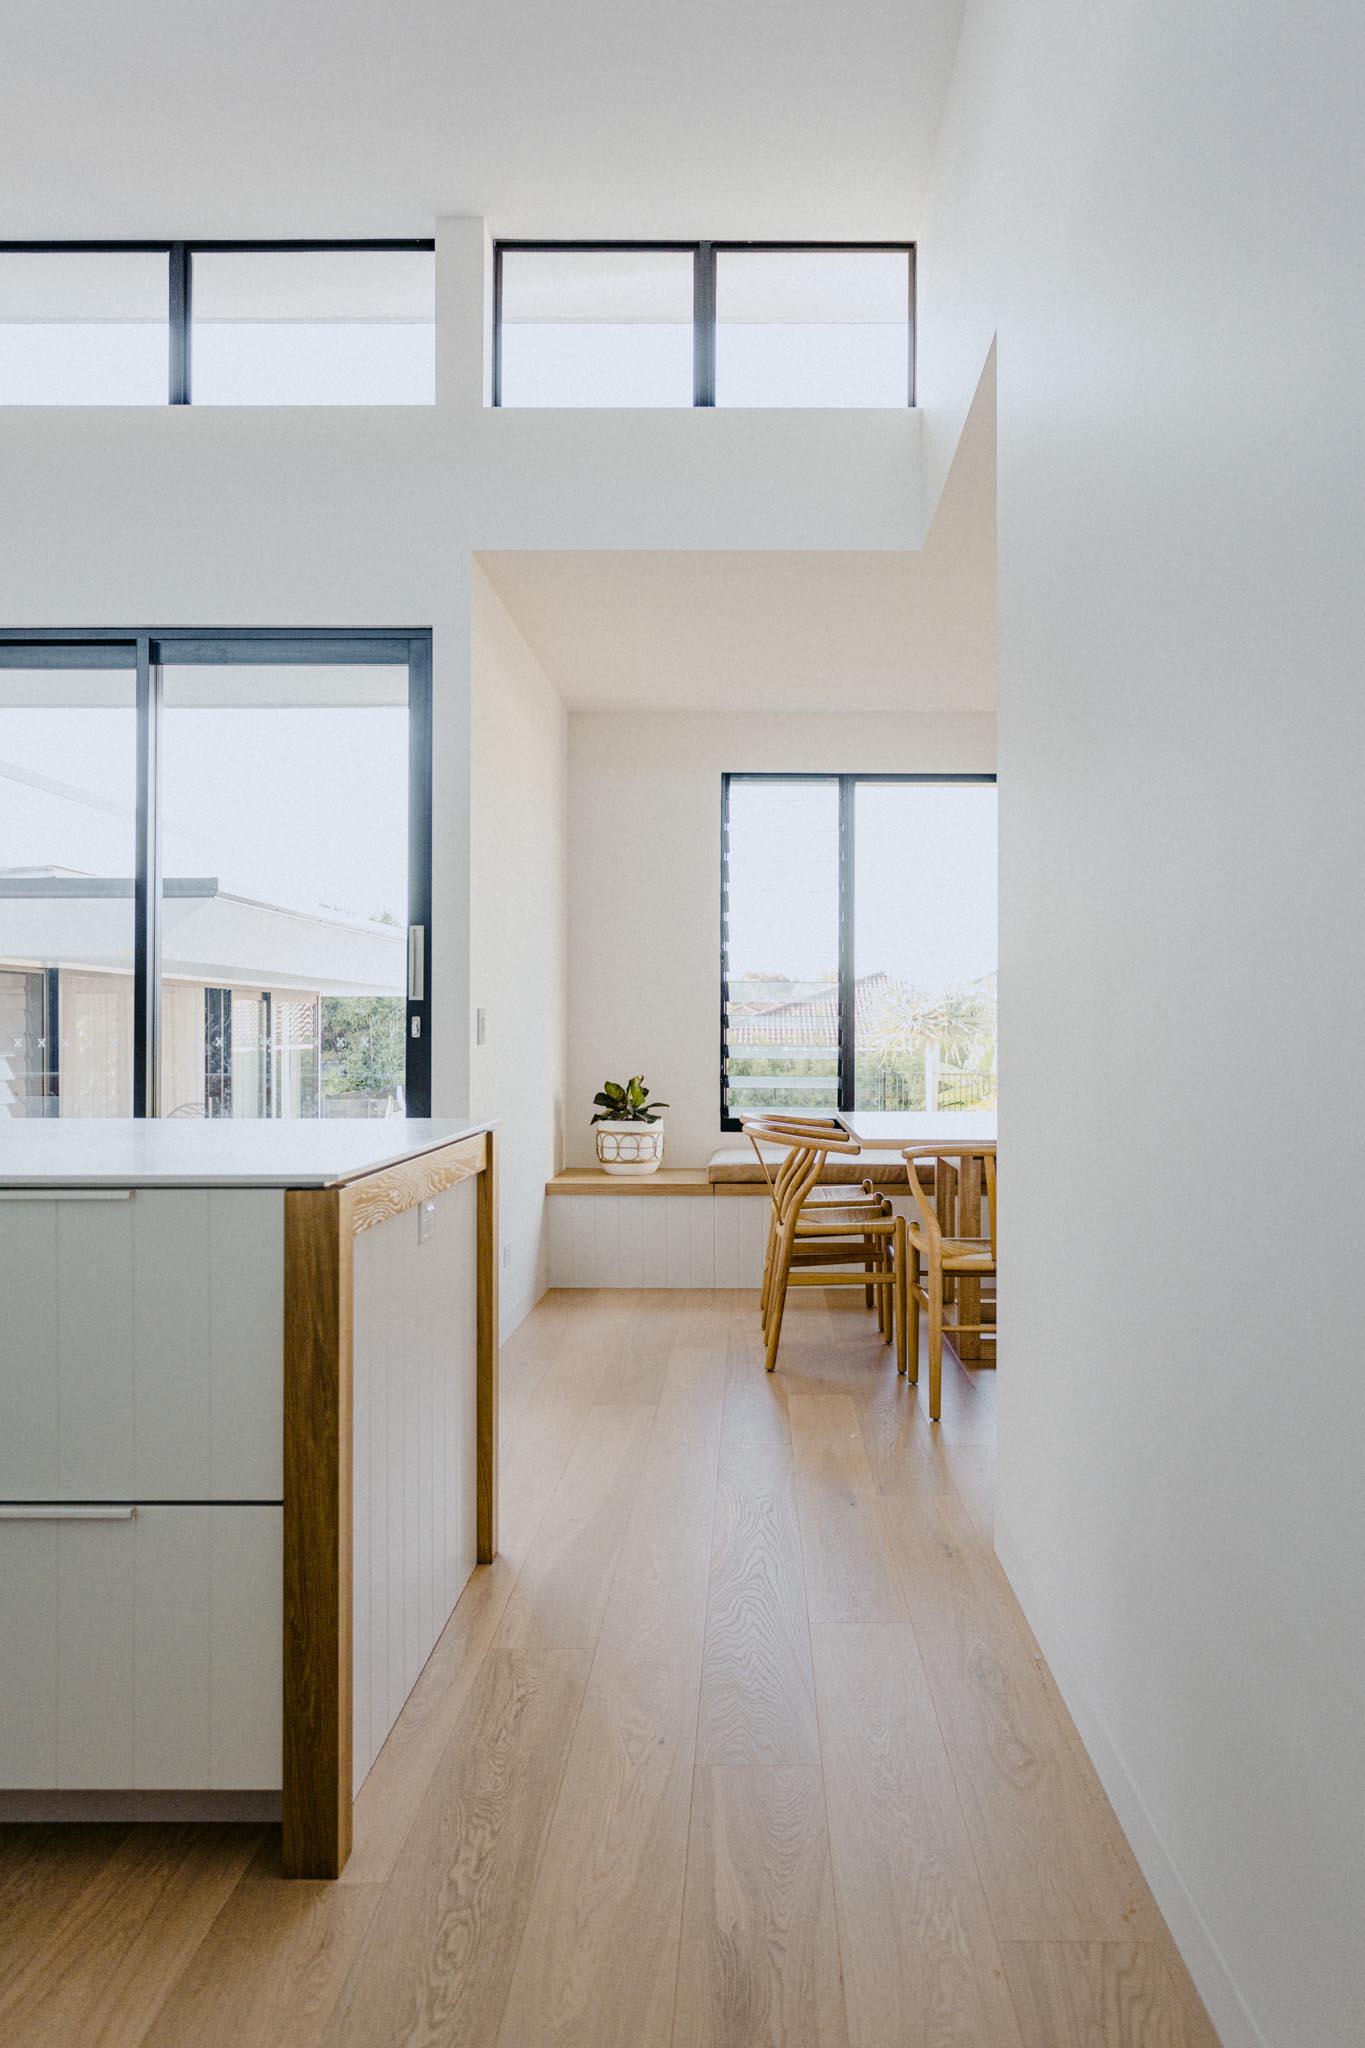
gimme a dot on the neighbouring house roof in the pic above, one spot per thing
(57, 917)
(811, 1020)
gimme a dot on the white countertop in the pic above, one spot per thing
(117, 1152)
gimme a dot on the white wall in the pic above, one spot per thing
(517, 931)
(1157, 207)
(644, 854)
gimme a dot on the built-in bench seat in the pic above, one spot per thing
(733, 1170)
(681, 1226)
(736, 1166)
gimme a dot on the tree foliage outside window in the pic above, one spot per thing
(363, 1049)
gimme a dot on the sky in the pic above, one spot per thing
(305, 808)
(925, 890)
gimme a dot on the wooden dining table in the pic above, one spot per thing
(951, 1133)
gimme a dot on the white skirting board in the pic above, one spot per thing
(660, 1240)
(1235, 2026)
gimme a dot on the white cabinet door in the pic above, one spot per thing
(415, 1403)
(141, 1348)
(141, 1648)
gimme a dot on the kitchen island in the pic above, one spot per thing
(248, 1430)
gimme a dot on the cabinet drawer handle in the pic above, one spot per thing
(46, 1514)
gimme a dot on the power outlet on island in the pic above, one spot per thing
(426, 1219)
(507, 1255)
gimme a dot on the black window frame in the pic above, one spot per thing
(180, 257)
(151, 648)
(704, 254)
(847, 786)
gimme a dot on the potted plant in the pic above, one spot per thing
(630, 1132)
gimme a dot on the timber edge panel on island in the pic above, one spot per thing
(321, 1225)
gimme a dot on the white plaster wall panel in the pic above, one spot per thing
(701, 1229)
(630, 1246)
(653, 1241)
(518, 928)
(657, 1240)
(606, 1231)
(725, 1242)
(1182, 728)
(559, 1214)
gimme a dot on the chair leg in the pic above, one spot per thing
(767, 1276)
(912, 1313)
(900, 1294)
(935, 1340)
(869, 1292)
(777, 1298)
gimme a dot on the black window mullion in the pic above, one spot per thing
(147, 889)
(496, 392)
(417, 1040)
(704, 324)
(179, 353)
(727, 1121)
(848, 1005)
(910, 262)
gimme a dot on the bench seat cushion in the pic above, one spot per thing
(737, 1164)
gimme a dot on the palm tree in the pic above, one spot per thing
(951, 1023)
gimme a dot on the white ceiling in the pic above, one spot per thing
(777, 632)
(600, 118)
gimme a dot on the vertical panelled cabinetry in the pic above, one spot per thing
(140, 1488)
(247, 1463)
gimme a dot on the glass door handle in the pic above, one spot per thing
(417, 963)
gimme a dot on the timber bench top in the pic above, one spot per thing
(669, 1180)
(123, 1152)
(730, 1172)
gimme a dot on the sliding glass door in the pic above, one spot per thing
(215, 863)
(68, 853)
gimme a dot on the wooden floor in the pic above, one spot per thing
(743, 1740)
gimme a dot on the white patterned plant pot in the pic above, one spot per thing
(630, 1147)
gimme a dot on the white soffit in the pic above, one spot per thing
(892, 632)
(272, 118)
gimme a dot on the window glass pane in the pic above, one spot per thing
(589, 327)
(285, 888)
(313, 327)
(782, 948)
(924, 945)
(812, 327)
(68, 797)
(83, 329)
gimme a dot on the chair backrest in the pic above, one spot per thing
(916, 1155)
(790, 1122)
(806, 1152)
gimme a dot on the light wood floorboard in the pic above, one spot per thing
(760, 1949)
(743, 1742)
(1104, 1994)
